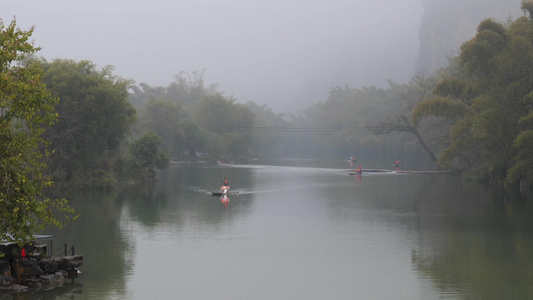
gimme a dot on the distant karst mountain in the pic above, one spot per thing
(446, 24)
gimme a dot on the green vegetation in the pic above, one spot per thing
(26, 110)
(145, 154)
(473, 117)
(95, 117)
(376, 125)
(488, 95)
(80, 127)
(191, 119)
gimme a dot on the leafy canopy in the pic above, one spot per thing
(488, 96)
(26, 111)
(95, 117)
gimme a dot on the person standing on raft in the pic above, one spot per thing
(359, 170)
(225, 185)
(397, 164)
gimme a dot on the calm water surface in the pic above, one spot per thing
(301, 233)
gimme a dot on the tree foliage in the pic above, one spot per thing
(166, 119)
(191, 118)
(26, 111)
(402, 120)
(373, 124)
(440, 107)
(94, 118)
(488, 96)
(270, 134)
(471, 117)
(230, 120)
(187, 89)
(146, 155)
(527, 6)
(341, 120)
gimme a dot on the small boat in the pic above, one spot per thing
(220, 193)
(224, 190)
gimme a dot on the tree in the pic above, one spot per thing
(146, 156)
(230, 120)
(522, 167)
(489, 99)
(340, 121)
(94, 118)
(187, 89)
(165, 118)
(269, 136)
(198, 138)
(527, 6)
(408, 96)
(26, 111)
(168, 112)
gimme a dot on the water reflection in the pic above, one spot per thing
(425, 236)
(101, 235)
(358, 177)
(224, 199)
(69, 290)
(479, 247)
(464, 238)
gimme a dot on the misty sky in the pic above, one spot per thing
(283, 53)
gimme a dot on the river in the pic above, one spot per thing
(300, 232)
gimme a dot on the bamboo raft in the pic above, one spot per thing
(400, 171)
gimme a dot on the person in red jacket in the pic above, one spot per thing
(225, 186)
(397, 164)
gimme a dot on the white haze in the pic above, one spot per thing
(283, 53)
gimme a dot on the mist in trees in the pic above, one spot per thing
(488, 96)
(415, 122)
(429, 122)
(194, 120)
(79, 126)
(95, 116)
(445, 25)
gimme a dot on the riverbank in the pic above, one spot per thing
(32, 268)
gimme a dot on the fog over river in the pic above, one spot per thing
(302, 231)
